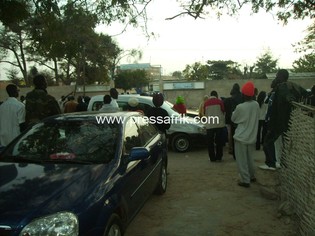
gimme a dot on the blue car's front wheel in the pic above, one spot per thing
(113, 227)
(162, 184)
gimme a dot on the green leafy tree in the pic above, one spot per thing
(13, 76)
(129, 79)
(196, 72)
(223, 70)
(47, 47)
(63, 37)
(14, 43)
(133, 12)
(307, 45)
(13, 12)
(305, 63)
(68, 45)
(265, 64)
(119, 55)
(285, 10)
(177, 74)
(129, 12)
(81, 39)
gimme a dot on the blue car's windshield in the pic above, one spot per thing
(76, 141)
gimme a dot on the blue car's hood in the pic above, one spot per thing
(28, 189)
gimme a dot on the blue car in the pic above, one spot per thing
(80, 174)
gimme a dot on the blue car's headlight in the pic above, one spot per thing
(62, 223)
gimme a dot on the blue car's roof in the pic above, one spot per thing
(91, 115)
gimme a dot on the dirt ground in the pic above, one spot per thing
(203, 199)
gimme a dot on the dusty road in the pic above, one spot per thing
(203, 199)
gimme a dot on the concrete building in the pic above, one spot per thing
(153, 71)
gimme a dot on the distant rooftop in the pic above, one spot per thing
(292, 75)
(140, 66)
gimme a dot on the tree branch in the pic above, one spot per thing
(10, 62)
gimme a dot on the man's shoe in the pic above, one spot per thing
(245, 185)
(278, 166)
(253, 180)
(265, 167)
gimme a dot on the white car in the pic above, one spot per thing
(184, 131)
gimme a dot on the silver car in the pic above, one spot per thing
(184, 131)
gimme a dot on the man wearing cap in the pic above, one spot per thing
(246, 116)
(133, 105)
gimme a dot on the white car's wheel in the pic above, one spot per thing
(181, 143)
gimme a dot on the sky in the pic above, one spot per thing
(184, 40)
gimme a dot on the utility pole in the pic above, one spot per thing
(160, 80)
(83, 71)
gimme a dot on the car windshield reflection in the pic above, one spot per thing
(63, 141)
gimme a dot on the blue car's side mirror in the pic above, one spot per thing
(138, 153)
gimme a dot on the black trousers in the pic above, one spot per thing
(215, 138)
(233, 128)
(269, 149)
(261, 133)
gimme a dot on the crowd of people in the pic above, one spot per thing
(252, 119)
(16, 115)
(248, 119)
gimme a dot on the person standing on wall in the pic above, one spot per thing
(285, 92)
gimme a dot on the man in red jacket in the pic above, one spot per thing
(214, 112)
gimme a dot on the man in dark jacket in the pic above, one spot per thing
(230, 105)
(39, 104)
(157, 115)
(285, 92)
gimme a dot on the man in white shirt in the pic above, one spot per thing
(246, 116)
(12, 116)
(107, 106)
(114, 96)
